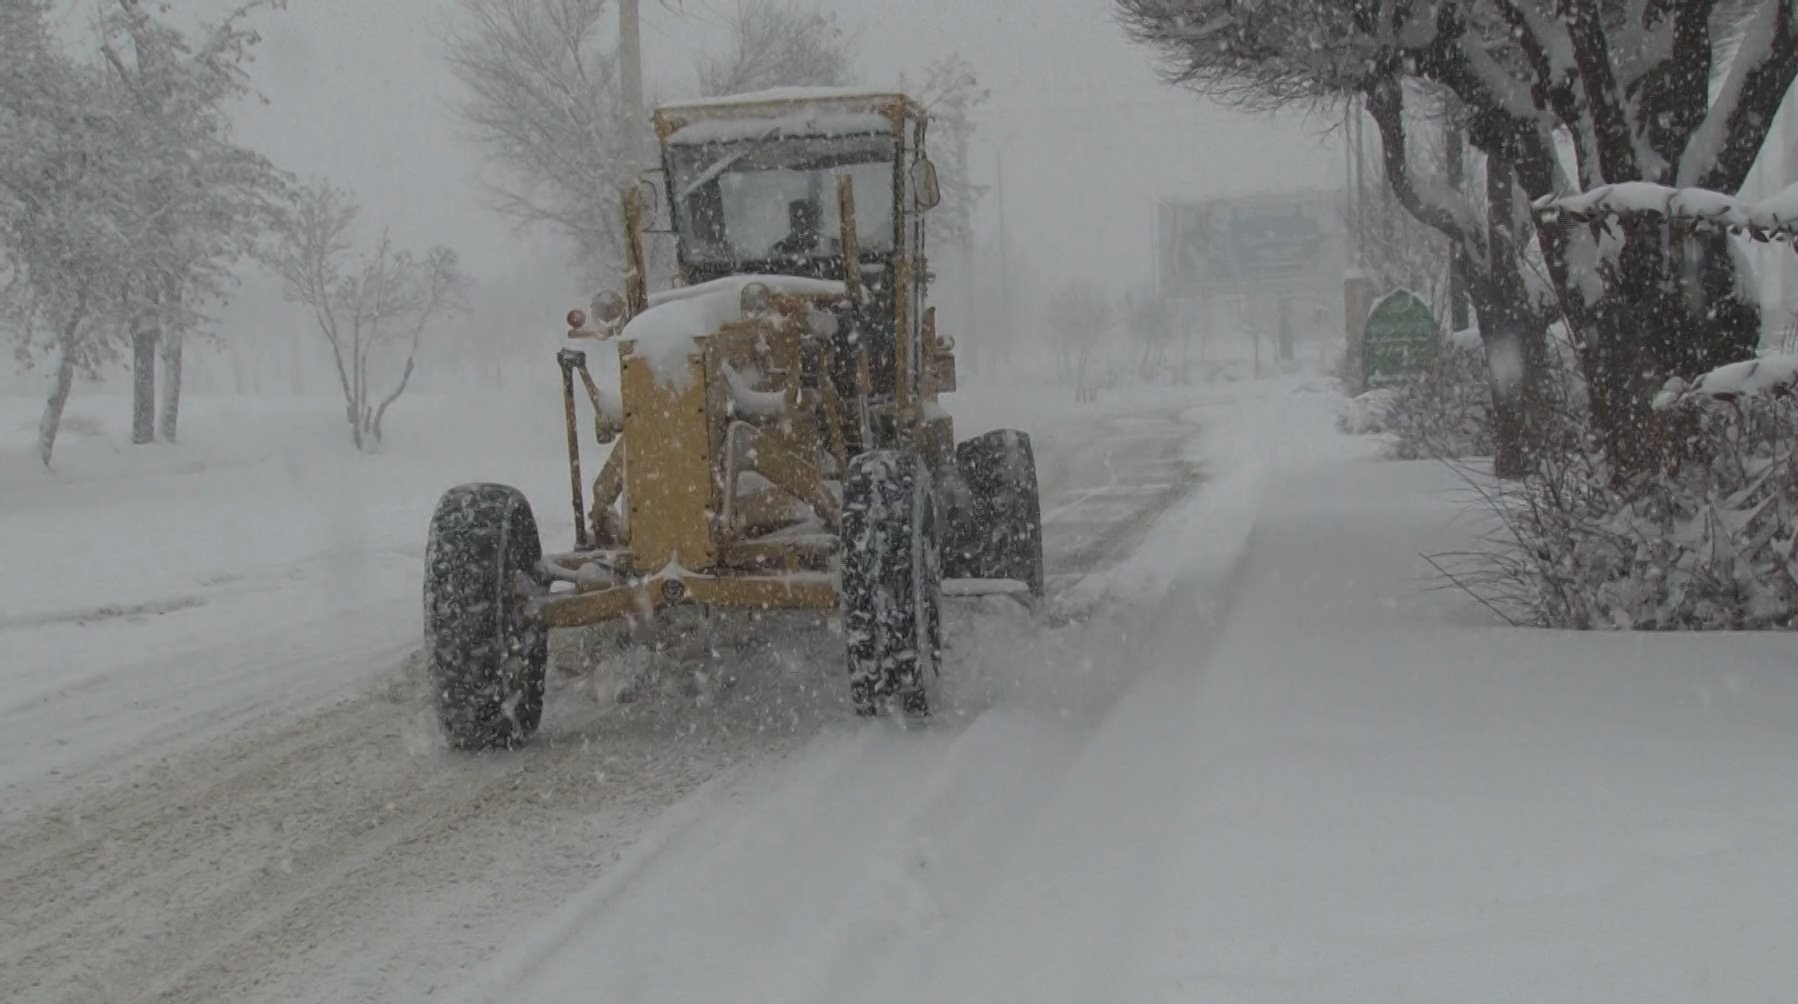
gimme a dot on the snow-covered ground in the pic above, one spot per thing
(1247, 755)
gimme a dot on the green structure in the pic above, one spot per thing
(1401, 338)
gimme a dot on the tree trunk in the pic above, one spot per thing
(1641, 333)
(1513, 342)
(143, 381)
(1285, 331)
(239, 379)
(1512, 336)
(1255, 338)
(62, 383)
(171, 384)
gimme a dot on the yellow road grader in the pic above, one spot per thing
(776, 437)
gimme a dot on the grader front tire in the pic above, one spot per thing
(486, 653)
(891, 591)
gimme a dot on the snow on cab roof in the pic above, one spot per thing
(813, 121)
(786, 94)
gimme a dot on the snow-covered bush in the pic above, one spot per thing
(1443, 412)
(1709, 542)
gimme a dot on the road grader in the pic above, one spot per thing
(776, 435)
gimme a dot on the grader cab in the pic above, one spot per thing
(775, 439)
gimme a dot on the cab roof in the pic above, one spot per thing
(802, 111)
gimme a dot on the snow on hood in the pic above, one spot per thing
(664, 334)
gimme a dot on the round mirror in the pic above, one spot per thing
(652, 201)
(924, 185)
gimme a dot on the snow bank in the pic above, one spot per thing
(1367, 414)
(663, 334)
(1466, 340)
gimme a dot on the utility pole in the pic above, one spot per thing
(969, 289)
(1004, 271)
(630, 62)
(1783, 281)
(1350, 202)
(1357, 181)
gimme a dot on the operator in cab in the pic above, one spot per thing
(801, 241)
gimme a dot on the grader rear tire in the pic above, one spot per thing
(486, 653)
(999, 534)
(891, 592)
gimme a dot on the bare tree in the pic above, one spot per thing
(778, 43)
(542, 100)
(368, 307)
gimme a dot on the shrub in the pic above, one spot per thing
(1444, 412)
(1706, 543)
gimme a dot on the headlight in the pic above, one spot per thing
(609, 309)
(755, 299)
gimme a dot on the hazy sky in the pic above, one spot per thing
(1090, 138)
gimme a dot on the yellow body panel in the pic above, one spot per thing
(668, 484)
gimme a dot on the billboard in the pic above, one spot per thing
(1292, 241)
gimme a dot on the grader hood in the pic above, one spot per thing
(683, 365)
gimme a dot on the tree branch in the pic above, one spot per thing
(1386, 103)
(1724, 148)
(1616, 134)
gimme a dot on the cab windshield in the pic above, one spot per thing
(774, 200)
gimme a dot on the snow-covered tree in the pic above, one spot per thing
(372, 309)
(64, 208)
(203, 201)
(1559, 95)
(542, 98)
(778, 43)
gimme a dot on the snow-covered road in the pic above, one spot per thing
(228, 786)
